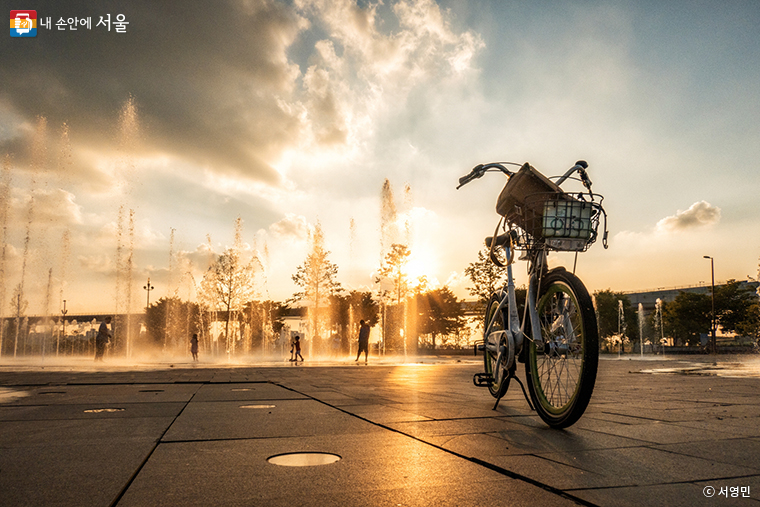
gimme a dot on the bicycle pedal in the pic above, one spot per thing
(482, 380)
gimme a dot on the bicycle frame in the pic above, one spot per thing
(516, 327)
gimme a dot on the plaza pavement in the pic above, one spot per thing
(660, 431)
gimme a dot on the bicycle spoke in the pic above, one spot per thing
(559, 366)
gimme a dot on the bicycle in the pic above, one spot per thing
(557, 337)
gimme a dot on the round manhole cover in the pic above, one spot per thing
(303, 459)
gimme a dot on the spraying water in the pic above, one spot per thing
(170, 300)
(658, 321)
(5, 194)
(389, 233)
(641, 328)
(48, 300)
(621, 325)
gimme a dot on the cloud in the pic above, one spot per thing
(292, 225)
(699, 214)
(100, 264)
(205, 82)
(56, 206)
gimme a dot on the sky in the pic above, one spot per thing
(150, 144)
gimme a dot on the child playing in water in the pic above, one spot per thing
(298, 349)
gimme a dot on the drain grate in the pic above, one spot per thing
(303, 459)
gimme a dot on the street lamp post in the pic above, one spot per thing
(148, 288)
(713, 343)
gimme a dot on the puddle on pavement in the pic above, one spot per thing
(8, 395)
(728, 370)
(257, 406)
(102, 410)
(303, 459)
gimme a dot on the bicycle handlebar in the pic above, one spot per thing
(580, 166)
(479, 170)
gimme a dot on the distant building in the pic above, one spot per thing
(648, 299)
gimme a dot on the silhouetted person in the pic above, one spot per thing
(103, 337)
(194, 346)
(298, 349)
(363, 340)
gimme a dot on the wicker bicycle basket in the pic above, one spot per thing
(545, 216)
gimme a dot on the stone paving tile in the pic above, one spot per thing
(260, 419)
(738, 451)
(717, 427)
(429, 428)
(514, 441)
(655, 431)
(374, 469)
(244, 391)
(119, 393)
(90, 411)
(80, 462)
(678, 494)
(383, 414)
(603, 468)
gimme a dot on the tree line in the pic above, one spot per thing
(410, 315)
(684, 320)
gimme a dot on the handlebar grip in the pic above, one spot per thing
(475, 173)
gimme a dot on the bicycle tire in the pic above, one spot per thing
(561, 377)
(500, 384)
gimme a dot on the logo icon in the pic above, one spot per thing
(23, 23)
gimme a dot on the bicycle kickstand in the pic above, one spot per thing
(525, 393)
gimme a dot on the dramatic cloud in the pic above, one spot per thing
(699, 214)
(207, 87)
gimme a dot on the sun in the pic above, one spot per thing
(422, 263)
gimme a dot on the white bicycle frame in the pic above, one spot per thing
(515, 332)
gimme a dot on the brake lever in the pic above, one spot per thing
(585, 179)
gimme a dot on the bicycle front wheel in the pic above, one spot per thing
(562, 373)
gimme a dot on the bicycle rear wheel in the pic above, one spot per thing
(493, 366)
(561, 375)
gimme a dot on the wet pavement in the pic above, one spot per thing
(659, 431)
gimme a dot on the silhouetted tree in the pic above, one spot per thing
(439, 313)
(172, 327)
(317, 279)
(687, 317)
(264, 320)
(486, 277)
(733, 303)
(607, 311)
(227, 285)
